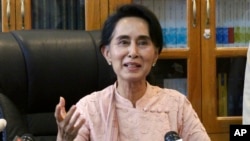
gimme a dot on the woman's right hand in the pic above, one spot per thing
(68, 125)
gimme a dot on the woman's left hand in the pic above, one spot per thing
(68, 125)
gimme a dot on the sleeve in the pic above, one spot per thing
(191, 127)
(84, 133)
(246, 92)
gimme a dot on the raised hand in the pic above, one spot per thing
(68, 123)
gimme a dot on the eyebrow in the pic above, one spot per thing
(122, 37)
(144, 37)
(127, 37)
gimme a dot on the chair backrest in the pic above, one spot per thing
(39, 66)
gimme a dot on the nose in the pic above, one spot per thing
(133, 51)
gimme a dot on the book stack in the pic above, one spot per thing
(58, 14)
(232, 23)
(172, 16)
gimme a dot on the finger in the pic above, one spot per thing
(69, 121)
(59, 115)
(70, 114)
(62, 105)
(78, 123)
(62, 101)
(71, 125)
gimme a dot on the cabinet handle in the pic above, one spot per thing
(8, 12)
(194, 13)
(208, 14)
(22, 13)
(207, 33)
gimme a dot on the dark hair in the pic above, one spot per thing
(133, 10)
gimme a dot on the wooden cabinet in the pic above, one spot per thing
(56, 14)
(43, 14)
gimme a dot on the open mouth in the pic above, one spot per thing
(132, 65)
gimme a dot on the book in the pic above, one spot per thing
(80, 16)
(222, 94)
(171, 20)
(181, 25)
(71, 14)
(44, 11)
(219, 20)
(64, 14)
(231, 21)
(237, 17)
(54, 16)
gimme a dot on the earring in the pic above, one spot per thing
(109, 62)
(153, 65)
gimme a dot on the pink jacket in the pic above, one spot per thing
(110, 117)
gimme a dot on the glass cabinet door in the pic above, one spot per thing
(42, 14)
(232, 34)
(232, 31)
(58, 14)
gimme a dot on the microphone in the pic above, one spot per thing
(27, 137)
(172, 136)
(24, 137)
(3, 124)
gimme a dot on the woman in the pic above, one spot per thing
(131, 109)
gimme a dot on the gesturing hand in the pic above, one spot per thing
(68, 125)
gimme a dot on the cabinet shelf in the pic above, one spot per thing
(230, 52)
(174, 53)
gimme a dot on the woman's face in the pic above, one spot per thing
(131, 51)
